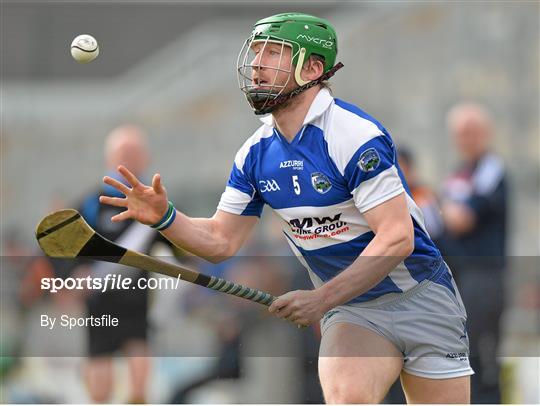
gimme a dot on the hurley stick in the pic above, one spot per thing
(65, 234)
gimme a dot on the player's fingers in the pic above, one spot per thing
(132, 179)
(156, 184)
(285, 313)
(302, 323)
(113, 201)
(121, 217)
(276, 305)
(292, 318)
(116, 184)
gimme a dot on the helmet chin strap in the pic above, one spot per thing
(272, 104)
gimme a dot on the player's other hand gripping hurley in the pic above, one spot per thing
(146, 204)
(302, 307)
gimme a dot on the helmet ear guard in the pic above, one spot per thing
(299, 65)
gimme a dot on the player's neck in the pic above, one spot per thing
(289, 120)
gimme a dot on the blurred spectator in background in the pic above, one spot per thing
(424, 197)
(474, 212)
(15, 261)
(125, 145)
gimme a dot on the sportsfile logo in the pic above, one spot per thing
(268, 186)
(109, 282)
(319, 41)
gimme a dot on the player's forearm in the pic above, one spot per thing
(200, 236)
(378, 259)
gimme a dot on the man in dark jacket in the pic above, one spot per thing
(125, 145)
(474, 210)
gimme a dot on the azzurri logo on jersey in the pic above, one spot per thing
(293, 163)
(369, 160)
(320, 182)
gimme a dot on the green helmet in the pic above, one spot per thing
(307, 35)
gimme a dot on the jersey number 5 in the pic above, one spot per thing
(296, 184)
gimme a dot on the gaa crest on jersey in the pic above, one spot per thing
(369, 160)
(320, 182)
(269, 185)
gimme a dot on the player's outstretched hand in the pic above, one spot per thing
(146, 204)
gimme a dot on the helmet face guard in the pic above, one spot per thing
(258, 93)
(305, 35)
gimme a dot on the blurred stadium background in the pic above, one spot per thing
(170, 67)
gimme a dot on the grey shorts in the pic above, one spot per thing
(426, 324)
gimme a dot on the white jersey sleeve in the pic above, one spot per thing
(241, 195)
(365, 155)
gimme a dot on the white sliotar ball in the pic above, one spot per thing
(84, 48)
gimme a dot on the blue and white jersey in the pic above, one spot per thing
(341, 164)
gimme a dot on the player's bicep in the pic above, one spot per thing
(393, 228)
(390, 216)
